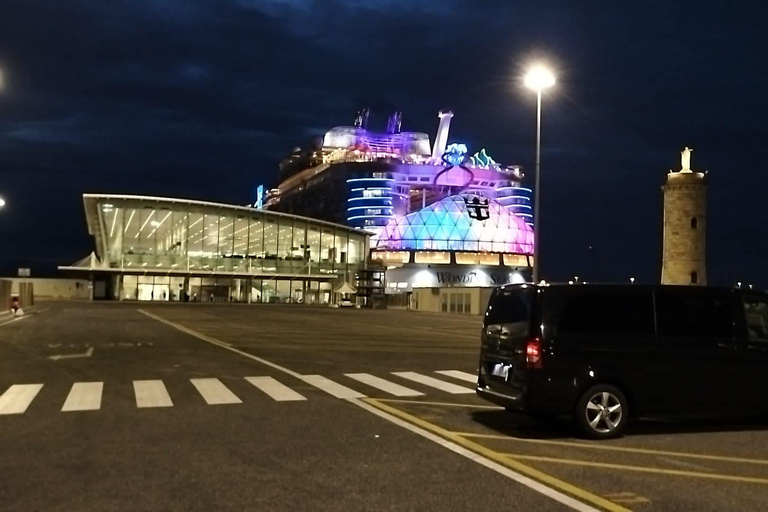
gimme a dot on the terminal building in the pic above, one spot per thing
(163, 249)
(447, 225)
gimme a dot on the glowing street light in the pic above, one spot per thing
(2, 202)
(538, 79)
(632, 280)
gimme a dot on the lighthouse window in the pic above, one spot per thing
(694, 223)
(694, 276)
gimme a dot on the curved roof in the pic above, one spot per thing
(90, 201)
(95, 228)
(463, 222)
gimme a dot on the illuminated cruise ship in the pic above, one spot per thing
(440, 214)
(365, 179)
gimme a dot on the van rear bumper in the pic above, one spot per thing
(538, 395)
(504, 399)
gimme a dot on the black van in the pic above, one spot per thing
(608, 353)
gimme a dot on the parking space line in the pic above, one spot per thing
(17, 398)
(383, 384)
(435, 383)
(627, 449)
(639, 469)
(331, 387)
(84, 396)
(538, 480)
(276, 390)
(456, 374)
(441, 404)
(151, 393)
(214, 392)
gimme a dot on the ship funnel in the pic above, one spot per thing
(441, 139)
(361, 120)
(395, 120)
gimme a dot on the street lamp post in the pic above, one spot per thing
(538, 79)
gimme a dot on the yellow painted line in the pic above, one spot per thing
(640, 469)
(440, 404)
(399, 350)
(499, 458)
(607, 447)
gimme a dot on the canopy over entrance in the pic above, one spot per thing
(345, 288)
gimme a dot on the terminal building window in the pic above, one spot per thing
(432, 257)
(477, 258)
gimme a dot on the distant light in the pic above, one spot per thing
(570, 282)
(2, 202)
(539, 78)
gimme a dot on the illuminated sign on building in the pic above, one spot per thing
(477, 208)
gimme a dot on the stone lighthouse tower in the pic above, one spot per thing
(685, 224)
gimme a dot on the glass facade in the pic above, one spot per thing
(176, 250)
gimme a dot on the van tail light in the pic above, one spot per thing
(533, 354)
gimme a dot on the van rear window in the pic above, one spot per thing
(510, 306)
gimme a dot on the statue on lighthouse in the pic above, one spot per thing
(686, 160)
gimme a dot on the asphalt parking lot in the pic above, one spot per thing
(406, 371)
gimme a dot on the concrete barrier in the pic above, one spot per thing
(5, 300)
(5, 295)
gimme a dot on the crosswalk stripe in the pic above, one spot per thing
(276, 390)
(84, 396)
(384, 385)
(434, 383)
(214, 392)
(331, 387)
(151, 393)
(18, 397)
(456, 374)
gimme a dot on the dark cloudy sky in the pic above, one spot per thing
(201, 98)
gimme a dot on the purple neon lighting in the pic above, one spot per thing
(447, 225)
(370, 217)
(514, 188)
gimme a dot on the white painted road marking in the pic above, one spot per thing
(384, 385)
(513, 475)
(275, 389)
(456, 374)
(214, 392)
(479, 459)
(434, 383)
(87, 353)
(151, 393)
(18, 397)
(331, 387)
(84, 396)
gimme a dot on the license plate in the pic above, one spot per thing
(501, 370)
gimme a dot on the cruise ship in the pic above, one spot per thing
(432, 207)
(365, 179)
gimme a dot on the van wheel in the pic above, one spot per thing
(602, 412)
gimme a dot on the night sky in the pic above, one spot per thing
(201, 99)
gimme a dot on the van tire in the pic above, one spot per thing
(602, 412)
